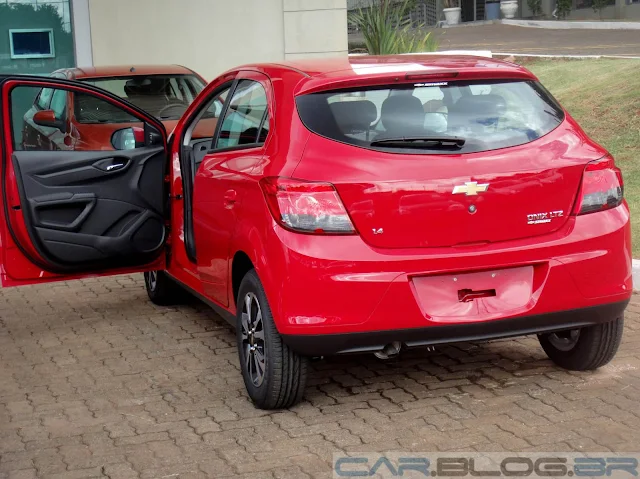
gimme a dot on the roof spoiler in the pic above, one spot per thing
(472, 53)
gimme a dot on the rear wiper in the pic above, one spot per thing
(430, 142)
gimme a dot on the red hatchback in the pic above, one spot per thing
(341, 206)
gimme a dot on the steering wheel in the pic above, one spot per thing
(174, 109)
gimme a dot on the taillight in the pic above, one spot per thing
(307, 207)
(601, 187)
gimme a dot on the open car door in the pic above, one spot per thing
(83, 183)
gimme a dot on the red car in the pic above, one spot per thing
(342, 206)
(68, 121)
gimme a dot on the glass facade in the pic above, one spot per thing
(35, 36)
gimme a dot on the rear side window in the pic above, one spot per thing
(245, 121)
(444, 117)
(44, 98)
(59, 104)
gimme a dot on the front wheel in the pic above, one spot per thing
(162, 290)
(586, 348)
(274, 375)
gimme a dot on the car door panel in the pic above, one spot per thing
(67, 213)
(219, 184)
(81, 212)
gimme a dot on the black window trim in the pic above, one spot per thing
(223, 114)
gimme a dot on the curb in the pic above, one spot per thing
(551, 24)
(564, 25)
(572, 57)
(490, 54)
(635, 272)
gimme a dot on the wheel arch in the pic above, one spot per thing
(240, 266)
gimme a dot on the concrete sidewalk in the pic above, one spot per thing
(95, 381)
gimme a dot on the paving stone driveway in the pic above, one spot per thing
(95, 381)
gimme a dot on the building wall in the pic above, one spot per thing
(47, 14)
(315, 28)
(211, 36)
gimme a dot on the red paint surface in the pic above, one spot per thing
(321, 284)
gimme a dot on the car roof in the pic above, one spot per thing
(330, 72)
(351, 64)
(124, 70)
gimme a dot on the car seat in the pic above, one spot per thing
(354, 117)
(402, 115)
(477, 113)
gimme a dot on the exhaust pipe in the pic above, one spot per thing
(391, 350)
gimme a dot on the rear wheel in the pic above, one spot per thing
(274, 375)
(162, 290)
(586, 348)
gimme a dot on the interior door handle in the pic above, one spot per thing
(111, 165)
(230, 198)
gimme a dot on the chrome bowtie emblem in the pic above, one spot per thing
(470, 188)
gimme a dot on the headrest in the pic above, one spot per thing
(144, 86)
(402, 111)
(354, 116)
(488, 105)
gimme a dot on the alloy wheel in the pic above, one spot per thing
(152, 280)
(253, 345)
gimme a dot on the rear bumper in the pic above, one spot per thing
(338, 294)
(330, 344)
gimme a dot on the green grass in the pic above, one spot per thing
(604, 97)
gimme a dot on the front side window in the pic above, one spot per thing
(444, 117)
(245, 121)
(166, 97)
(95, 125)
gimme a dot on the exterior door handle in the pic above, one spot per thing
(230, 198)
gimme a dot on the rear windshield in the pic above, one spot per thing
(443, 117)
(164, 96)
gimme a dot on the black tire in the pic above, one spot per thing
(162, 290)
(593, 347)
(284, 372)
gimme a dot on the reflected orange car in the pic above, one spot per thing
(62, 120)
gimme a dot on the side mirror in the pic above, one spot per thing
(48, 118)
(127, 138)
(152, 136)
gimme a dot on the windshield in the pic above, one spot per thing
(164, 96)
(443, 117)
